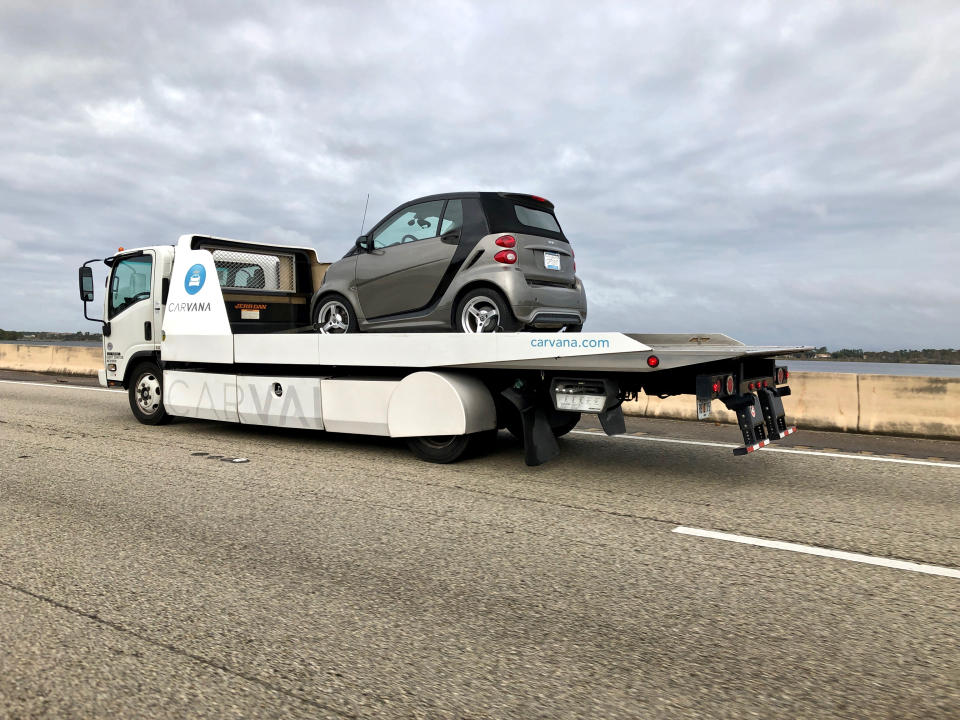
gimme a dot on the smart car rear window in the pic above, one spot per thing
(536, 218)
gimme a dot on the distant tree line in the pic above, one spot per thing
(947, 356)
(42, 335)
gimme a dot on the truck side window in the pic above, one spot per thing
(130, 283)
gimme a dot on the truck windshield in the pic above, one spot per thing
(130, 283)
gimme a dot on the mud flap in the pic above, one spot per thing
(539, 442)
(612, 422)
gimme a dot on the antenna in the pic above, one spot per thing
(363, 222)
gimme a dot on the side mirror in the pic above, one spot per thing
(86, 284)
(363, 244)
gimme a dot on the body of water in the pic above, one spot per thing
(874, 368)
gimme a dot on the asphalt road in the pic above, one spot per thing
(335, 576)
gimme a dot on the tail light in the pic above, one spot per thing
(507, 257)
(653, 361)
(729, 384)
(507, 241)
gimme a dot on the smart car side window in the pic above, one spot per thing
(452, 217)
(416, 222)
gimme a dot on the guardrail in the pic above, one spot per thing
(884, 404)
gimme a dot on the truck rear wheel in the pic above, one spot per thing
(146, 394)
(440, 448)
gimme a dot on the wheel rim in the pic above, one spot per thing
(148, 393)
(480, 314)
(333, 318)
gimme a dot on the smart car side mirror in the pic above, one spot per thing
(363, 244)
(86, 284)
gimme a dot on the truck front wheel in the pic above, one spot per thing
(146, 394)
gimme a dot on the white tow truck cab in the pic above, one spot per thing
(220, 329)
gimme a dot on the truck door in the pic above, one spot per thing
(131, 311)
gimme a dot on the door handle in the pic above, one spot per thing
(450, 238)
(148, 330)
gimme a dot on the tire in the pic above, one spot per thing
(335, 316)
(145, 393)
(450, 448)
(562, 427)
(476, 310)
(573, 328)
(440, 449)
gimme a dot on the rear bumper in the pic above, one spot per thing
(543, 306)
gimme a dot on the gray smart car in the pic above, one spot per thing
(469, 262)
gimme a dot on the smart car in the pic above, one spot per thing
(466, 262)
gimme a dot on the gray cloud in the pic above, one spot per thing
(782, 173)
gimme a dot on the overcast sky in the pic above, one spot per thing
(782, 172)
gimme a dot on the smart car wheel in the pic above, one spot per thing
(484, 310)
(335, 316)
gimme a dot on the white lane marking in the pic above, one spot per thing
(53, 385)
(768, 449)
(822, 552)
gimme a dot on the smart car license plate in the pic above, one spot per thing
(551, 261)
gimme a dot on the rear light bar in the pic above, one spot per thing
(507, 241)
(507, 257)
(714, 386)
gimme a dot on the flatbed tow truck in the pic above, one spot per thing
(219, 329)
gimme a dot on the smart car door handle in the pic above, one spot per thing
(451, 239)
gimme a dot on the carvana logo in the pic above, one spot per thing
(194, 279)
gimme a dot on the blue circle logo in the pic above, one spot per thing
(195, 279)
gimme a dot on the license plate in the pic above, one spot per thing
(704, 408)
(581, 403)
(551, 261)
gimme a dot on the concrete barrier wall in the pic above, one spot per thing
(59, 359)
(887, 404)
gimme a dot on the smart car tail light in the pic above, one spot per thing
(507, 257)
(507, 241)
